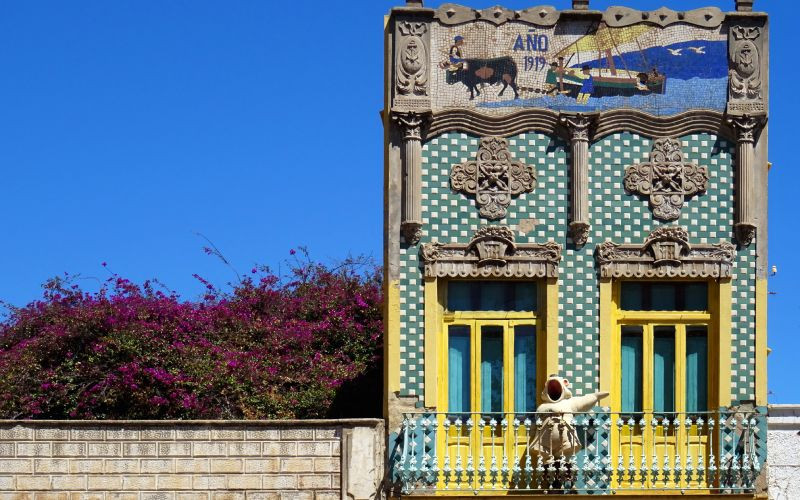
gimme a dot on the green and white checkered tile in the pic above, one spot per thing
(449, 216)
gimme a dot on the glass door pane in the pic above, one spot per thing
(696, 368)
(632, 369)
(491, 369)
(664, 369)
(524, 368)
(458, 369)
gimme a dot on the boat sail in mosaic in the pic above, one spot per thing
(580, 66)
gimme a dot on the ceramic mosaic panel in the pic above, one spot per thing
(449, 216)
(579, 66)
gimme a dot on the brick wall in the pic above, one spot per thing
(190, 460)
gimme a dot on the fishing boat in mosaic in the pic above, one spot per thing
(602, 75)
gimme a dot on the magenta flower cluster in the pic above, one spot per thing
(270, 348)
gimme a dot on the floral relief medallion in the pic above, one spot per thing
(667, 179)
(494, 177)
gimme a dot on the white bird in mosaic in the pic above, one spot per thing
(675, 52)
(698, 50)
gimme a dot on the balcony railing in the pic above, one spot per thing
(719, 452)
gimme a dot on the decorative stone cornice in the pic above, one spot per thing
(666, 252)
(639, 122)
(452, 14)
(472, 122)
(608, 122)
(492, 252)
(544, 15)
(706, 17)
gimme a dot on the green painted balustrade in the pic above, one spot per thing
(718, 451)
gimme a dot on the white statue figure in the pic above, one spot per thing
(556, 437)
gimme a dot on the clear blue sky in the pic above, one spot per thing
(127, 126)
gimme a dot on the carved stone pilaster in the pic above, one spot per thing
(412, 64)
(411, 124)
(746, 127)
(578, 126)
(666, 179)
(492, 252)
(494, 177)
(666, 252)
(744, 76)
(744, 5)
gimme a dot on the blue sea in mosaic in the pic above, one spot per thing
(683, 60)
(680, 96)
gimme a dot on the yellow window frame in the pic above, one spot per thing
(437, 318)
(437, 321)
(718, 324)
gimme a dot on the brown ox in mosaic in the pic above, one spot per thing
(473, 72)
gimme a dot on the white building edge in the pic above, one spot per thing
(783, 442)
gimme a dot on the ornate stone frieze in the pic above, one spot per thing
(666, 252)
(494, 177)
(744, 76)
(578, 126)
(491, 252)
(667, 179)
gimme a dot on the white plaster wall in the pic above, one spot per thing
(783, 452)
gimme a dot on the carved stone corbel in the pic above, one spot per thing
(491, 252)
(666, 252)
(411, 124)
(578, 126)
(746, 127)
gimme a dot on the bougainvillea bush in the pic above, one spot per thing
(269, 347)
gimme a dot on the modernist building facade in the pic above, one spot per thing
(576, 204)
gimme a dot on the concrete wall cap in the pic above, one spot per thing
(346, 422)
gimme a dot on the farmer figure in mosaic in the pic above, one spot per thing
(457, 61)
